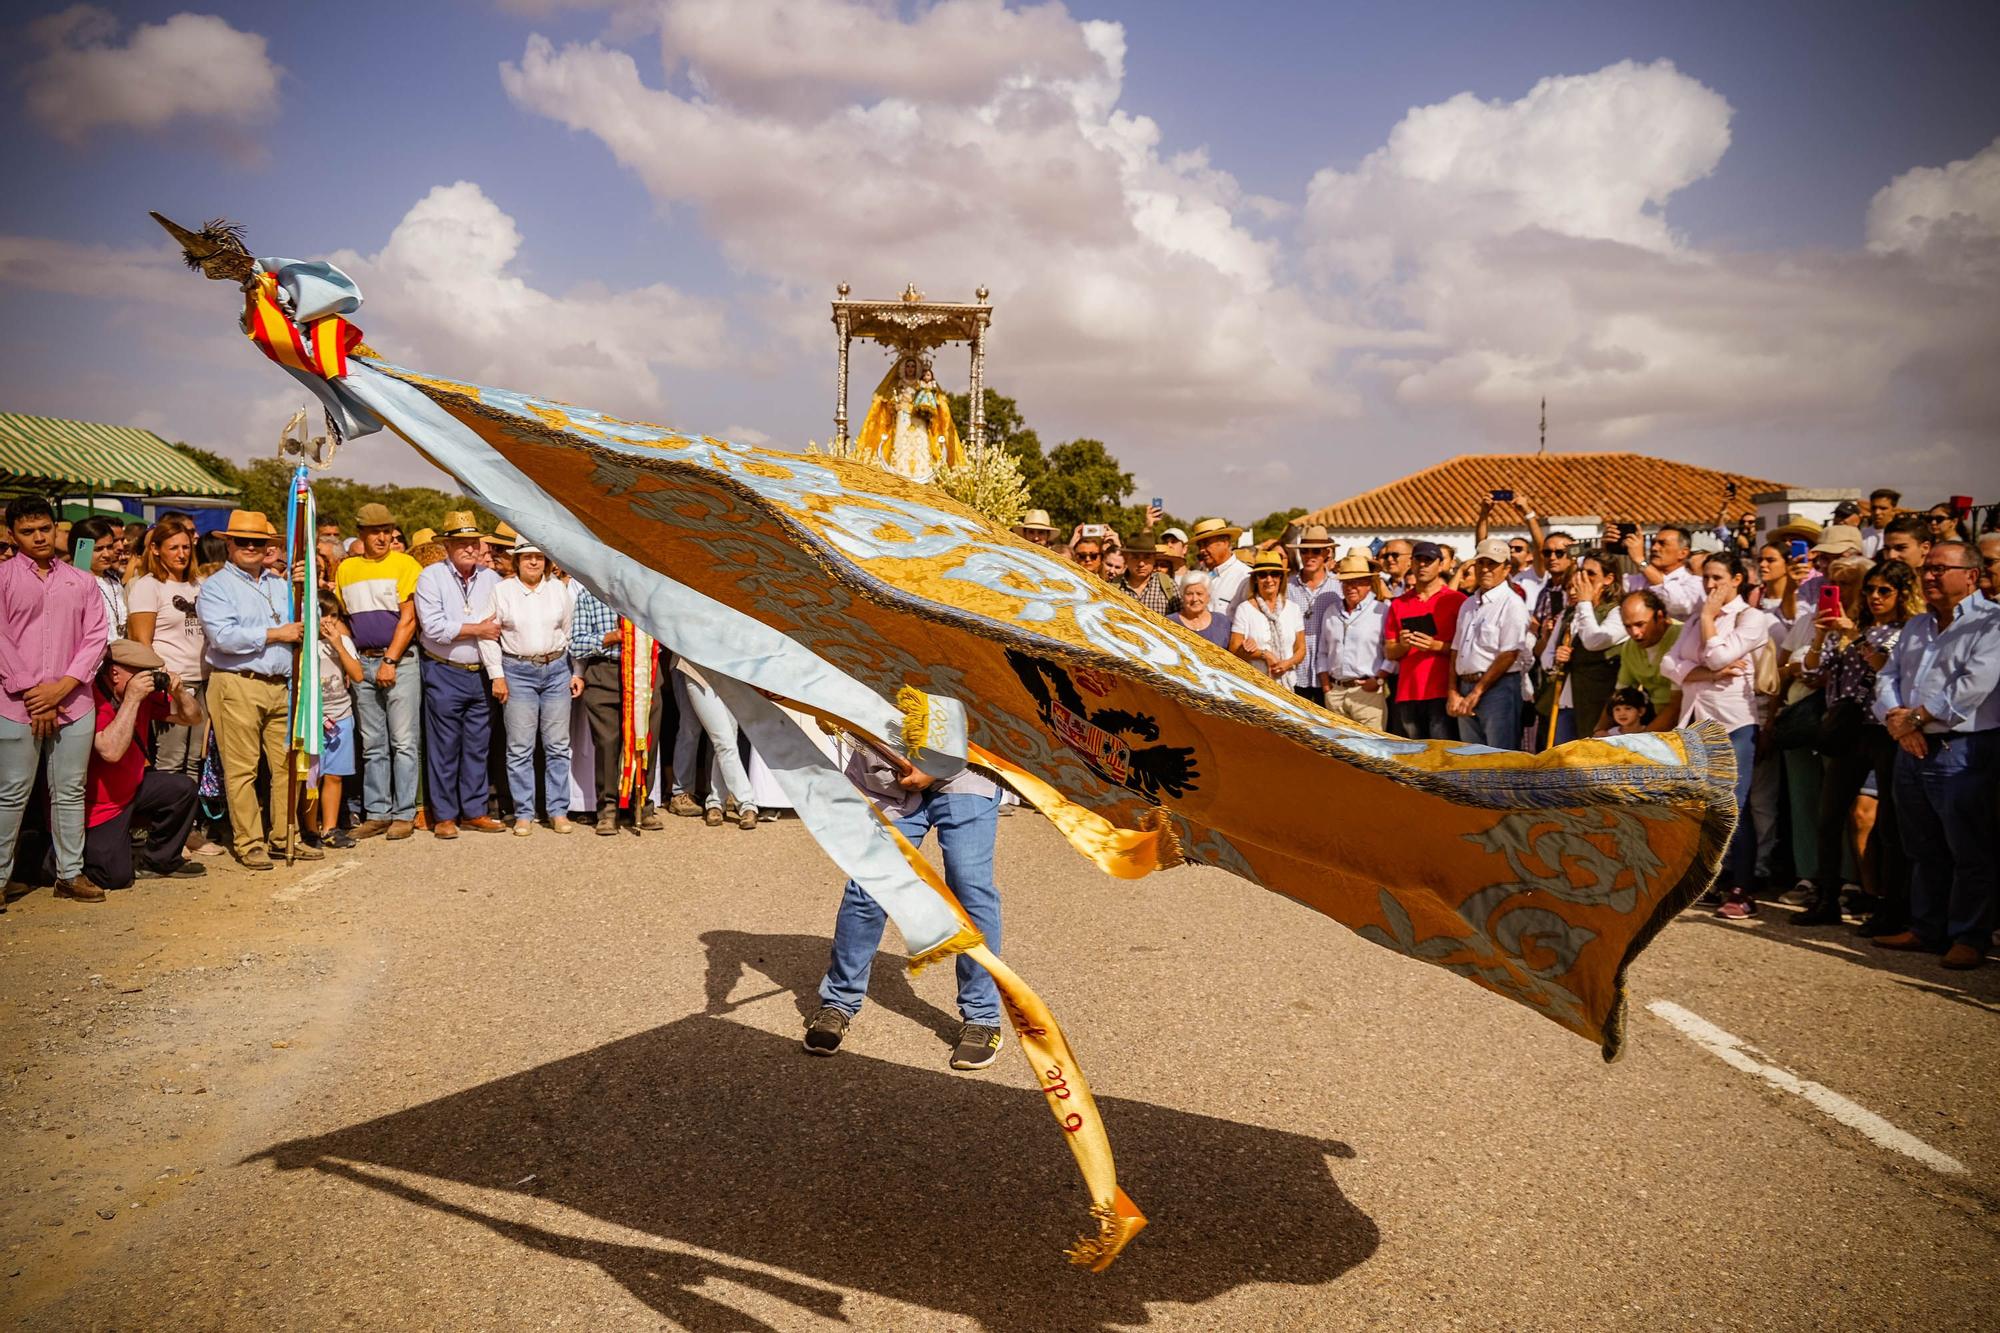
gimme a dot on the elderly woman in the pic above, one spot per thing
(1268, 628)
(1196, 587)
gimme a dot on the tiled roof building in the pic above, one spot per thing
(1446, 497)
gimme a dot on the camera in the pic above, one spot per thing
(1097, 530)
(162, 682)
(1729, 489)
(1503, 497)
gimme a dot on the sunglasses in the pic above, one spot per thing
(1269, 574)
(1555, 550)
(249, 543)
(1090, 555)
(1879, 590)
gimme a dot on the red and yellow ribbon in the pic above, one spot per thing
(635, 664)
(322, 350)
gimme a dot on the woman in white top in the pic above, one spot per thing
(1268, 628)
(162, 617)
(1713, 662)
(536, 684)
(1593, 627)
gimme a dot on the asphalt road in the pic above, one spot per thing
(555, 1083)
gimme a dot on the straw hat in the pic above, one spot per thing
(1036, 520)
(250, 525)
(1272, 562)
(459, 523)
(1315, 537)
(1353, 565)
(522, 546)
(421, 536)
(374, 516)
(1793, 527)
(1213, 527)
(503, 535)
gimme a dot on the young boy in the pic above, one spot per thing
(339, 667)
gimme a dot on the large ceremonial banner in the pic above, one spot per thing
(889, 610)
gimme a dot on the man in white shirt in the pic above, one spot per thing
(1489, 651)
(458, 639)
(1310, 590)
(536, 684)
(1349, 663)
(1213, 540)
(1666, 572)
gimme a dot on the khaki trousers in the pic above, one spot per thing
(251, 719)
(1368, 707)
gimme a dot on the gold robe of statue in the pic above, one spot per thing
(908, 428)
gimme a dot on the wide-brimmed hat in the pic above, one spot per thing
(1353, 565)
(459, 523)
(522, 546)
(249, 524)
(1036, 520)
(1315, 537)
(503, 535)
(1140, 543)
(136, 656)
(422, 535)
(1268, 561)
(1840, 539)
(374, 516)
(1793, 527)
(1214, 527)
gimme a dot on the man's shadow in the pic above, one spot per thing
(939, 1190)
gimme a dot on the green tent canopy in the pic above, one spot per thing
(53, 455)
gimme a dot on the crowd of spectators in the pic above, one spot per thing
(145, 678)
(1851, 668)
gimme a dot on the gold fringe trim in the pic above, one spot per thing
(967, 938)
(1161, 824)
(1119, 852)
(1117, 1223)
(916, 706)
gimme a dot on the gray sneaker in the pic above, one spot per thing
(824, 1030)
(978, 1046)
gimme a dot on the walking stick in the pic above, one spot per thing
(293, 566)
(1556, 679)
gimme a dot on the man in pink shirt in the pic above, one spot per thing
(53, 631)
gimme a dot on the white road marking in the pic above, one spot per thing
(1736, 1053)
(314, 882)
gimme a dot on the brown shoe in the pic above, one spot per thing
(746, 816)
(684, 806)
(16, 889)
(1964, 957)
(483, 824)
(79, 890)
(400, 829)
(1907, 941)
(561, 824)
(369, 828)
(305, 851)
(649, 818)
(256, 860)
(445, 829)
(423, 820)
(712, 816)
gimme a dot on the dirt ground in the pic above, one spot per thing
(548, 1082)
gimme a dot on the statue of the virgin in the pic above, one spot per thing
(909, 428)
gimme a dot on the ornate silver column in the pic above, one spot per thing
(840, 322)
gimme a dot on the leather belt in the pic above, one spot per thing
(267, 677)
(536, 659)
(1358, 680)
(447, 662)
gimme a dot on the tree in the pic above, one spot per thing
(1083, 484)
(1274, 523)
(1005, 428)
(264, 484)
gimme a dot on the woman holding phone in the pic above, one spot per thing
(1853, 636)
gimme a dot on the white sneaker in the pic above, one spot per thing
(1799, 895)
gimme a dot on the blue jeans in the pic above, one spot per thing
(390, 754)
(1944, 804)
(725, 766)
(69, 761)
(966, 827)
(537, 704)
(1496, 720)
(1739, 862)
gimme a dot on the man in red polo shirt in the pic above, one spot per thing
(1417, 636)
(123, 787)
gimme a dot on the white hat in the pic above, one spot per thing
(1174, 535)
(1494, 549)
(1244, 541)
(522, 546)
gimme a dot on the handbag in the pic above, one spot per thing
(1798, 723)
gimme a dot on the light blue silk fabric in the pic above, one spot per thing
(316, 289)
(737, 654)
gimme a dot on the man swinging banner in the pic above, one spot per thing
(896, 614)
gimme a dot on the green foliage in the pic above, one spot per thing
(1274, 523)
(263, 484)
(1005, 429)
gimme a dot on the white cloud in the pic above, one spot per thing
(1511, 249)
(968, 144)
(192, 66)
(50, 264)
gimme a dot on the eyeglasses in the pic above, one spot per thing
(1880, 590)
(1088, 556)
(1553, 551)
(1942, 570)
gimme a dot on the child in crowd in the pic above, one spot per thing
(1631, 711)
(338, 668)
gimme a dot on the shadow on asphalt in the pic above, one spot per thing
(945, 1191)
(1979, 987)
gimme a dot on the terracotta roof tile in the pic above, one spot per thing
(1612, 486)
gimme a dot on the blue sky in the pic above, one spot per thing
(1404, 225)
